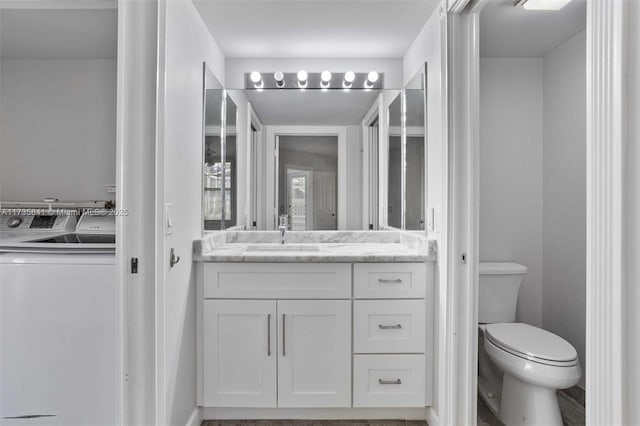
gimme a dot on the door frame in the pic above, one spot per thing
(253, 121)
(375, 112)
(607, 391)
(271, 173)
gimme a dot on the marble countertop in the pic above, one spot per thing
(336, 247)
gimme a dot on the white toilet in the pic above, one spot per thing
(520, 366)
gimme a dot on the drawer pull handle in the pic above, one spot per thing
(390, 327)
(390, 382)
(396, 281)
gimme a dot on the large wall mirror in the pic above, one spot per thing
(326, 159)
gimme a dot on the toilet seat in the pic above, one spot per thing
(532, 343)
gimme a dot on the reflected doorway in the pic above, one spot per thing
(307, 181)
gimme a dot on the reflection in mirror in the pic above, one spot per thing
(415, 157)
(212, 170)
(371, 162)
(229, 215)
(307, 180)
(309, 142)
(395, 169)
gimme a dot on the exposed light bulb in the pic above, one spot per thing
(325, 76)
(302, 79)
(255, 77)
(372, 76)
(278, 76)
(349, 76)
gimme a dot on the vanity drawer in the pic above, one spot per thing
(389, 280)
(389, 381)
(277, 280)
(389, 326)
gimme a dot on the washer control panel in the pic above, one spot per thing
(16, 221)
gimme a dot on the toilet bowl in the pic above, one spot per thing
(520, 366)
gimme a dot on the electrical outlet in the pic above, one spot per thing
(111, 189)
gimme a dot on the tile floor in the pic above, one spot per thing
(313, 423)
(571, 408)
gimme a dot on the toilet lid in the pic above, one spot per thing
(531, 342)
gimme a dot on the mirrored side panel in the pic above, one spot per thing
(415, 179)
(230, 171)
(213, 134)
(395, 166)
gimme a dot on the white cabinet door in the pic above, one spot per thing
(314, 353)
(239, 353)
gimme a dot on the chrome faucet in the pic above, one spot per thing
(284, 223)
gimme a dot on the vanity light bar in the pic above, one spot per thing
(325, 80)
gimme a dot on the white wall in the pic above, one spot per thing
(58, 132)
(564, 214)
(237, 67)
(185, 43)
(511, 196)
(428, 47)
(632, 227)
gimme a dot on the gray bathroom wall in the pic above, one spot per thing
(511, 139)
(564, 216)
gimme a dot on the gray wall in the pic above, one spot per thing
(58, 132)
(511, 172)
(533, 181)
(564, 216)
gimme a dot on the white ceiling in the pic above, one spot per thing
(508, 31)
(315, 28)
(58, 33)
(320, 145)
(311, 107)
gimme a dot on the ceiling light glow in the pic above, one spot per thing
(542, 4)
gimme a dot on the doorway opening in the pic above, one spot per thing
(307, 181)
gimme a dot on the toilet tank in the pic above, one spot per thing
(498, 291)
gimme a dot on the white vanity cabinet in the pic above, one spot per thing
(314, 353)
(311, 335)
(239, 368)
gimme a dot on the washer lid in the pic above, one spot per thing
(531, 341)
(501, 268)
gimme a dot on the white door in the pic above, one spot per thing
(299, 199)
(239, 353)
(325, 201)
(314, 353)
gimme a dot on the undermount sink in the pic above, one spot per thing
(283, 247)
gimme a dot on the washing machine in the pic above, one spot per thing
(59, 346)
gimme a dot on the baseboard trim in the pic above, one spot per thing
(432, 417)
(195, 418)
(314, 413)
